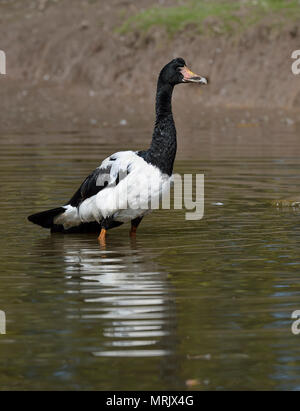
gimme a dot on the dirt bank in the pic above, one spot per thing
(67, 63)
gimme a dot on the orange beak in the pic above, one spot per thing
(190, 77)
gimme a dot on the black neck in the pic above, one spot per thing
(163, 147)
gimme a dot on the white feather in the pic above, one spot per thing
(132, 197)
(69, 218)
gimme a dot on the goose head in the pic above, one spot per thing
(176, 72)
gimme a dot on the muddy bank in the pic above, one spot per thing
(67, 64)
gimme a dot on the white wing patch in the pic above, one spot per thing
(138, 183)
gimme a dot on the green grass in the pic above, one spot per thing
(220, 15)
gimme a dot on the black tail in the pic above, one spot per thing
(45, 218)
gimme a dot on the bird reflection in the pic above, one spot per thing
(125, 290)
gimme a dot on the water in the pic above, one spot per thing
(189, 304)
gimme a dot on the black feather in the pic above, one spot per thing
(163, 147)
(45, 218)
(94, 183)
(92, 227)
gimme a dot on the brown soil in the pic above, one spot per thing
(68, 68)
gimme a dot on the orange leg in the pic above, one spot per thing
(132, 231)
(102, 236)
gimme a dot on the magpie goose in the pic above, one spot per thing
(123, 186)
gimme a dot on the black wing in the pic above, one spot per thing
(94, 183)
(98, 180)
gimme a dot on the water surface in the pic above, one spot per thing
(202, 303)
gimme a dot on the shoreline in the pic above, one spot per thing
(67, 64)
